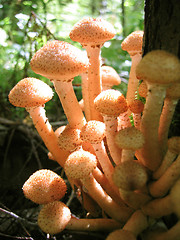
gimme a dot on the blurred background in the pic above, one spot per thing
(25, 26)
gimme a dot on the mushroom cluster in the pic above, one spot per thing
(129, 171)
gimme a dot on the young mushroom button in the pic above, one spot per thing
(61, 62)
(92, 33)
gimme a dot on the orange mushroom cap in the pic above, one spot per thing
(44, 186)
(53, 217)
(136, 106)
(92, 30)
(59, 60)
(93, 131)
(110, 102)
(30, 92)
(133, 42)
(109, 76)
(80, 164)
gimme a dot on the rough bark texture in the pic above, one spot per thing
(162, 26)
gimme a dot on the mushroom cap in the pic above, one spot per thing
(92, 31)
(59, 60)
(69, 139)
(44, 186)
(93, 131)
(111, 103)
(30, 92)
(133, 42)
(53, 217)
(160, 67)
(173, 91)
(109, 76)
(136, 106)
(121, 235)
(129, 138)
(80, 164)
(174, 144)
(130, 175)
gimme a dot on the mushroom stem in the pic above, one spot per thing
(69, 102)
(94, 79)
(85, 95)
(99, 224)
(47, 134)
(165, 121)
(158, 208)
(137, 223)
(118, 213)
(150, 153)
(160, 187)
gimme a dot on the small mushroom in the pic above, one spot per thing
(110, 77)
(136, 107)
(44, 186)
(92, 33)
(159, 69)
(61, 62)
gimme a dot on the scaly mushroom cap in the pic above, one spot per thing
(175, 197)
(130, 175)
(159, 66)
(121, 235)
(30, 92)
(53, 217)
(80, 164)
(92, 31)
(136, 106)
(111, 103)
(142, 90)
(93, 131)
(174, 144)
(173, 91)
(109, 76)
(133, 42)
(44, 186)
(69, 139)
(59, 60)
(129, 138)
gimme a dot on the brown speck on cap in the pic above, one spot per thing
(80, 164)
(44, 186)
(133, 42)
(92, 30)
(159, 66)
(111, 103)
(30, 92)
(59, 60)
(53, 217)
(129, 138)
(93, 131)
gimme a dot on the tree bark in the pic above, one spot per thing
(162, 26)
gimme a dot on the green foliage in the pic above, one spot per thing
(25, 26)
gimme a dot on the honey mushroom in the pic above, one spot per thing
(92, 33)
(32, 94)
(80, 165)
(110, 77)
(129, 140)
(159, 69)
(133, 45)
(131, 178)
(61, 62)
(54, 217)
(44, 186)
(111, 103)
(136, 107)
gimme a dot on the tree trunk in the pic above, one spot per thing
(162, 26)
